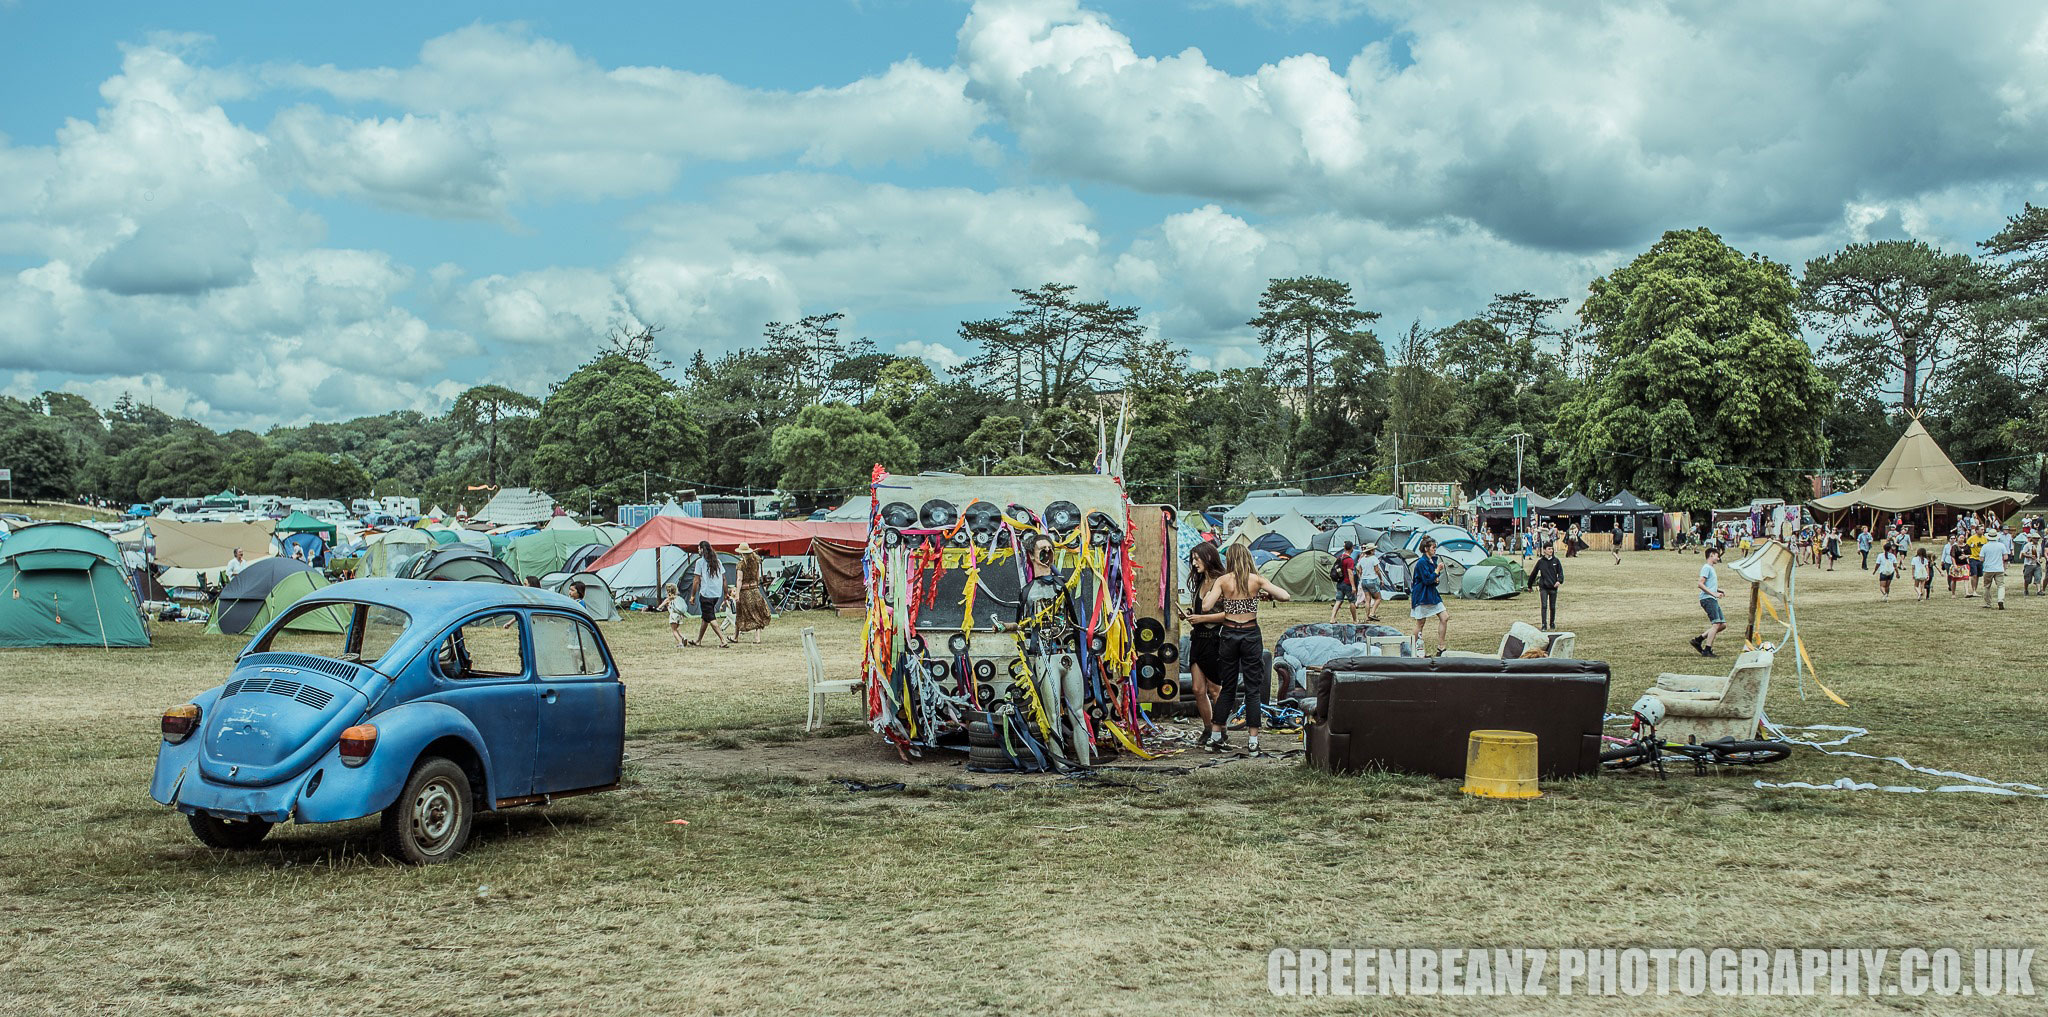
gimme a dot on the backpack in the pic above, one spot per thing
(1337, 569)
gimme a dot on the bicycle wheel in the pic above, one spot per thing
(1751, 753)
(1627, 757)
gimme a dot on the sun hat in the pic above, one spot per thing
(744, 549)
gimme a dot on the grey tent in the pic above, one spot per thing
(459, 563)
(1332, 540)
(580, 559)
(597, 594)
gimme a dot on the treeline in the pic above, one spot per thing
(1696, 375)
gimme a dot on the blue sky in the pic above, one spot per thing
(270, 215)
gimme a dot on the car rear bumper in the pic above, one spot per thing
(186, 789)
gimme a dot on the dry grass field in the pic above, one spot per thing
(1128, 894)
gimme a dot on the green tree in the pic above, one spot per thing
(834, 446)
(1897, 308)
(478, 414)
(1053, 349)
(607, 422)
(44, 457)
(1704, 395)
(314, 475)
(1302, 323)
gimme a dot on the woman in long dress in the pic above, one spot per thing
(753, 604)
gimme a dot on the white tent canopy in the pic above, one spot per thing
(517, 505)
(1318, 508)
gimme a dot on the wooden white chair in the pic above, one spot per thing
(819, 687)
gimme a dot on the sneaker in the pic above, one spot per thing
(1708, 651)
(1694, 642)
(1252, 745)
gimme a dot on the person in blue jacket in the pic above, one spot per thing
(1424, 602)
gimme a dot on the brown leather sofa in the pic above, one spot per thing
(1415, 714)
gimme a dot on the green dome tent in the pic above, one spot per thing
(544, 553)
(1486, 582)
(267, 589)
(1514, 569)
(62, 584)
(1306, 576)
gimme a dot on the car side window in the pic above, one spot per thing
(564, 647)
(486, 647)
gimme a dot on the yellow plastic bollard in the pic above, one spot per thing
(1501, 764)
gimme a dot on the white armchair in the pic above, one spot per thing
(1707, 707)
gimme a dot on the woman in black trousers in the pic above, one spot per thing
(1242, 649)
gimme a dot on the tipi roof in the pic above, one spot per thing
(1916, 474)
(517, 505)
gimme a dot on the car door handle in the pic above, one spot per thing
(547, 695)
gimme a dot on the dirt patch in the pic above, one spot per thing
(867, 759)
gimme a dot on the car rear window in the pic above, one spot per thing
(359, 632)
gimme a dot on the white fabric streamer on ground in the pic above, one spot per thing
(1978, 785)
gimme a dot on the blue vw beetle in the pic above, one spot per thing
(425, 701)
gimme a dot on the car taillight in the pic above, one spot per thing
(357, 743)
(179, 723)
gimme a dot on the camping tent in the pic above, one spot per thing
(597, 596)
(300, 522)
(1295, 527)
(1454, 542)
(387, 549)
(581, 558)
(62, 584)
(1486, 582)
(1917, 474)
(854, 510)
(312, 550)
(522, 505)
(547, 551)
(1395, 519)
(1273, 542)
(458, 563)
(1333, 540)
(267, 589)
(642, 574)
(1306, 576)
(208, 545)
(1514, 570)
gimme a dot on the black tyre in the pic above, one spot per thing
(1751, 753)
(982, 758)
(228, 835)
(430, 822)
(1627, 757)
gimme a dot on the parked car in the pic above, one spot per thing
(427, 702)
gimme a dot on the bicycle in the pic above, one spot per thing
(1646, 749)
(796, 590)
(1284, 717)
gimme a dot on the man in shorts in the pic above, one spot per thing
(1710, 602)
(1346, 575)
(1992, 563)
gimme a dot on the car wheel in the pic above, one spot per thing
(431, 819)
(228, 835)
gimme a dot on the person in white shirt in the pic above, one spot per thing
(234, 567)
(1995, 552)
(1887, 567)
(1923, 575)
(707, 589)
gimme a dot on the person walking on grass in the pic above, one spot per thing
(1242, 648)
(750, 608)
(1617, 542)
(672, 602)
(1958, 566)
(1710, 602)
(1369, 579)
(707, 591)
(1887, 567)
(1834, 547)
(1344, 572)
(1549, 576)
(1975, 543)
(1995, 552)
(1424, 601)
(1923, 575)
(2030, 567)
(1863, 542)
